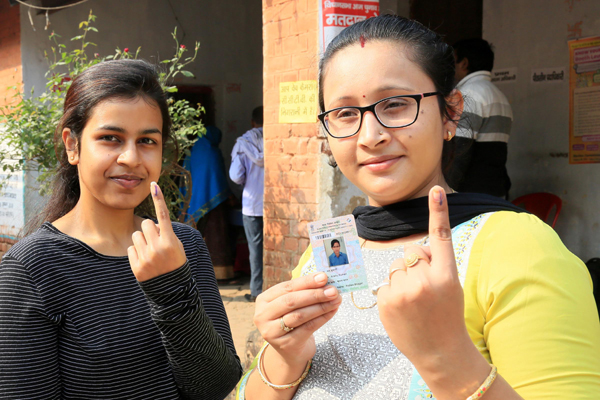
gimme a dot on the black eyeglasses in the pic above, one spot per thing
(391, 112)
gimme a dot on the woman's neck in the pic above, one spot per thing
(386, 244)
(106, 230)
(421, 191)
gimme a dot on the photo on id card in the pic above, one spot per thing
(336, 251)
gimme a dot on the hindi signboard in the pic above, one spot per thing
(584, 101)
(12, 217)
(337, 15)
(298, 102)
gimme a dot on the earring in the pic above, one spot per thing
(72, 158)
(450, 136)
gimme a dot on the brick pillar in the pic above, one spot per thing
(293, 152)
(10, 51)
(10, 74)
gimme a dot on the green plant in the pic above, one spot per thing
(29, 123)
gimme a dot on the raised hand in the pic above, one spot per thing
(156, 249)
(304, 305)
(422, 309)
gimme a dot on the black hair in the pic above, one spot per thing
(425, 48)
(479, 53)
(115, 79)
(257, 115)
(334, 241)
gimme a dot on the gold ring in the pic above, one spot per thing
(393, 271)
(284, 326)
(412, 260)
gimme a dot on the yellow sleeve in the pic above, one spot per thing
(303, 267)
(530, 310)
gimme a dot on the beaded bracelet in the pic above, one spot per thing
(485, 385)
(280, 387)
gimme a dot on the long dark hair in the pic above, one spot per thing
(116, 79)
(424, 47)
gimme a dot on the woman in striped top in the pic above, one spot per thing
(99, 302)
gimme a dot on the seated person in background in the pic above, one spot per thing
(337, 258)
(485, 124)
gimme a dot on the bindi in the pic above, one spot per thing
(362, 40)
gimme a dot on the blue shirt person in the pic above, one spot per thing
(337, 258)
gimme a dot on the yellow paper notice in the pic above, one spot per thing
(298, 102)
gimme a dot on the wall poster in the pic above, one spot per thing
(298, 102)
(12, 200)
(337, 15)
(584, 101)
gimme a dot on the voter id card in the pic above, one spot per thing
(336, 251)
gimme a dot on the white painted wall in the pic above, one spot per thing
(230, 32)
(529, 35)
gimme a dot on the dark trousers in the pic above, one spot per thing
(253, 226)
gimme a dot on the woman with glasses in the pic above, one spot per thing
(471, 298)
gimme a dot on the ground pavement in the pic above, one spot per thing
(240, 313)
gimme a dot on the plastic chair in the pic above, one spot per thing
(540, 204)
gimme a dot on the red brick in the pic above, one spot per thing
(303, 244)
(295, 145)
(269, 242)
(305, 163)
(278, 64)
(315, 146)
(308, 212)
(275, 194)
(272, 177)
(290, 244)
(307, 179)
(296, 259)
(282, 163)
(271, 114)
(304, 196)
(278, 131)
(290, 179)
(277, 227)
(289, 45)
(301, 6)
(276, 30)
(273, 146)
(291, 76)
(298, 228)
(286, 210)
(279, 12)
(305, 130)
(304, 23)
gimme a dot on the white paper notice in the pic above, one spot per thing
(586, 111)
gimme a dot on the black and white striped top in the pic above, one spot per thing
(76, 324)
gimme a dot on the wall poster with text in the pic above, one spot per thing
(337, 15)
(584, 101)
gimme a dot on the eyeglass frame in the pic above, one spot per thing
(417, 97)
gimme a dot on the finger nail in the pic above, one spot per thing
(330, 292)
(437, 196)
(320, 278)
(155, 186)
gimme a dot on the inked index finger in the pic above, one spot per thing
(162, 212)
(440, 232)
(312, 281)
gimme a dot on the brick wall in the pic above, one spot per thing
(10, 51)
(10, 71)
(292, 151)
